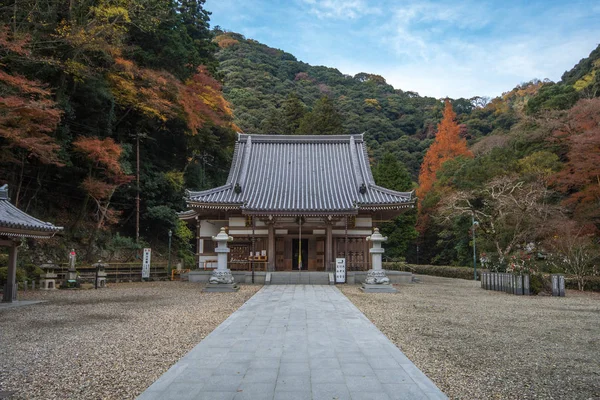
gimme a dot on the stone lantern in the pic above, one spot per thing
(221, 279)
(100, 281)
(48, 278)
(377, 281)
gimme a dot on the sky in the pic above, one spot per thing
(436, 48)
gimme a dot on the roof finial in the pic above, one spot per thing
(4, 192)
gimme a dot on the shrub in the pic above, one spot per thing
(592, 283)
(435, 270)
(21, 275)
(538, 283)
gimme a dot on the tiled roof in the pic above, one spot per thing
(16, 223)
(300, 174)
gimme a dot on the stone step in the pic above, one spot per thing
(300, 278)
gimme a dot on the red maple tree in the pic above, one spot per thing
(447, 145)
(580, 177)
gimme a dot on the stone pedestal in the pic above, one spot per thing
(48, 278)
(375, 288)
(221, 279)
(377, 281)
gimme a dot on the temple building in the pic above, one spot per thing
(16, 226)
(294, 203)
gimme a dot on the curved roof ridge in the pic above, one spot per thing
(196, 193)
(259, 138)
(18, 223)
(393, 192)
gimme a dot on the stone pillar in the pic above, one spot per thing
(377, 281)
(221, 279)
(9, 290)
(271, 248)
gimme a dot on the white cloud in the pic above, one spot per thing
(340, 9)
(437, 48)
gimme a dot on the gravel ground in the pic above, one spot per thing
(105, 344)
(479, 344)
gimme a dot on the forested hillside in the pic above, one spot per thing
(531, 168)
(81, 85)
(87, 86)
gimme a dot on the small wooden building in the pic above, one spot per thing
(15, 226)
(294, 203)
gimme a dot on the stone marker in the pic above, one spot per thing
(555, 290)
(561, 285)
(526, 285)
(519, 291)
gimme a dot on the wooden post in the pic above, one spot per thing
(328, 245)
(271, 247)
(9, 290)
(198, 226)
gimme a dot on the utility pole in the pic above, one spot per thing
(137, 196)
(473, 226)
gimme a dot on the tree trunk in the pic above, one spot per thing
(18, 195)
(103, 210)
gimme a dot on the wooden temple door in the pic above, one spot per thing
(300, 254)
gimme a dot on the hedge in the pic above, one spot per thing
(592, 283)
(541, 282)
(435, 270)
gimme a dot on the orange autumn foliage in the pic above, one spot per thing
(202, 101)
(103, 153)
(580, 177)
(160, 95)
(447, 145)
(28, 114)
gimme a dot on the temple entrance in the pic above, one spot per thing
(300, 246)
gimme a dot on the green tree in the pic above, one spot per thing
(392, 174)
(292, 112)
(324, 119)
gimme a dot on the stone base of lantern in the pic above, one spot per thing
(378, 288)
(221, 281)
(377, 282)
(47, 284)
(101, 279)
(221, 288)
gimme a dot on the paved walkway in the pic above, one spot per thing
(295, 343)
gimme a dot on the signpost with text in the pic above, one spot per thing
(146, 264)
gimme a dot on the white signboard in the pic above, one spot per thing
(340, 270)
(146, 264)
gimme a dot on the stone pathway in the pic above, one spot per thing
(295, 343)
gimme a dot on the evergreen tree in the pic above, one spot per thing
(392, 174)
(292, 112)
(324, 119)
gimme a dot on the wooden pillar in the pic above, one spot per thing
(198, 242)
(271, 248)
(12, 274)
(328, 247)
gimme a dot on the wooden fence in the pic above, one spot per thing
(118, 272)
